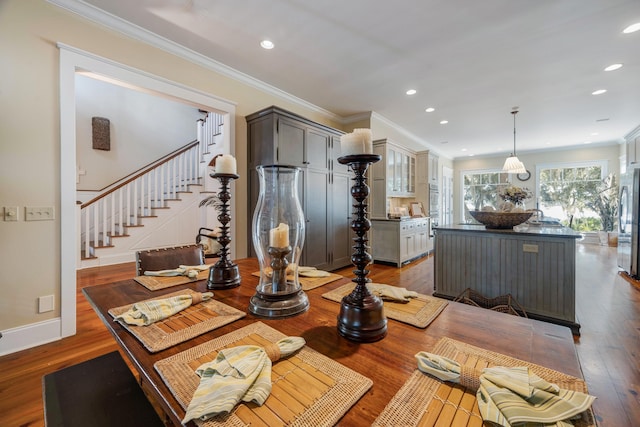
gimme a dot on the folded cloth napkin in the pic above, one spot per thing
(145, 313)
(508, 396)
(183, 270)
(391, 293)
(237, 374)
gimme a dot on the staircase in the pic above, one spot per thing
(154, 207)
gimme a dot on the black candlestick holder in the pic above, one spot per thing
(361, 317)
(225, 273)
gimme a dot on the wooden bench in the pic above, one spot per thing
(99, 392)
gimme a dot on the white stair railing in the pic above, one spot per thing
(123, 205)
(125, 202)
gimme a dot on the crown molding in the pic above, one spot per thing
(356, 117)
(631, 135)
(413, 137)
(99, 16)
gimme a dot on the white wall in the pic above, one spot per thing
(143, 127)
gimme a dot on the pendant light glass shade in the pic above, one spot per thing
(513, 164)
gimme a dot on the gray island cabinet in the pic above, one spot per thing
(536, 265)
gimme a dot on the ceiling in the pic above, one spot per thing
(473, 61)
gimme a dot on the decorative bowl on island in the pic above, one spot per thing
(500, 220)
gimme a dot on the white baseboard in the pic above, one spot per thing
(24, 337)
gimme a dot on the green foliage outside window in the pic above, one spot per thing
(582, 194)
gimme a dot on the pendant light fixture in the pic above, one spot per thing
(512, 164)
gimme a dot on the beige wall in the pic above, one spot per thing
(30, 142)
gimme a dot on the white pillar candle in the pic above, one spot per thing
(360, 141)
(279, 236)
(226, 164)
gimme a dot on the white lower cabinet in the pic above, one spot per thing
(399, 242)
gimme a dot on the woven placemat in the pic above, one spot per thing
(154, 283)
(309, 389)
(426, 401)
(308, 283)
(418, 311)
(189, 323)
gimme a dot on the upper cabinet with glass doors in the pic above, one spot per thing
(393, 176)
(397, 168)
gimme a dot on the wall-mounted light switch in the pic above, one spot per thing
(10, 213)
(38, 213)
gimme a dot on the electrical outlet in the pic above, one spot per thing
(10, 213)
(45, 303)
(38, 213)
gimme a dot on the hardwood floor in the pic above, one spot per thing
(608, 309)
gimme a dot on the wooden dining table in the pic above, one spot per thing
(388, 362)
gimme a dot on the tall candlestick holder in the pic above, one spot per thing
(361, 317)
(225, 273)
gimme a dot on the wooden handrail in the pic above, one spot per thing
(137, 174)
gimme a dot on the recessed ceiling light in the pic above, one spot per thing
(430, 110)
(464, 149)
(598, 92)
(471, 155)
(587, 142)
(444, 122)
(632, 28)
(267, 44)
(613, 67)
(412, 92)
(594, 133)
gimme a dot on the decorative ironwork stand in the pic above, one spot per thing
(225, 273)
(361, 317)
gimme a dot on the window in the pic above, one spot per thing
(566, 192)
(480, 188)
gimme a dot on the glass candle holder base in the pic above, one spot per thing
(279, 305)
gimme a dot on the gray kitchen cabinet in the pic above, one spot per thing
(399, 242)
(277, 136)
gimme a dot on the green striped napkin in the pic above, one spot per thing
(513, 396)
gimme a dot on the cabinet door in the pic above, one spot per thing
(391, 171)
(317, 145)
(404, 178)
(335, 153)
(433, 170)
(412, 174)
(316, 249)
(632, 152)
(291, 139)
(341, 202)
(422, 241)
(262, 147)
(397, 173)
(407, 247)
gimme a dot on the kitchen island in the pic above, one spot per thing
(535, 264)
